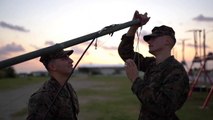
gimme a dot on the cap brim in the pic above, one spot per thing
(68, 52)
(148, 37)
(65, 53)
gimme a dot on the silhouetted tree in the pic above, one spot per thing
(8, 72)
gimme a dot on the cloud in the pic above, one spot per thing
(46, 43)
(49, 43)
(11, 48)
(79, 50)
(198, 46)
(110, 47)
(13, 27)
(35, 47)
(202, 18)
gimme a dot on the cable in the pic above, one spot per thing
(68, 78)
(105, 28)
(137, 48)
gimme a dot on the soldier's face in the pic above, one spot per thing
(156, 44)
(63, 65)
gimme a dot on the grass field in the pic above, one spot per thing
(13, 83)
(111, 99)
(121, 104)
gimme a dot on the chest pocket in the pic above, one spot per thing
(155, 76)
(152, 75)
(65, 109)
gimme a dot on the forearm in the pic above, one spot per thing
(132, 30)
(125, 48)
(126, 51)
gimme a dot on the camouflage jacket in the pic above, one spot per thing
(65, 107)
(164, 87)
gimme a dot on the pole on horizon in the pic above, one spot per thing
(183, 62)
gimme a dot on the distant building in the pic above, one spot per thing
(23, 74)
(39, 73)
(101, 69)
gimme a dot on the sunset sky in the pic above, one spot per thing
(29, 25)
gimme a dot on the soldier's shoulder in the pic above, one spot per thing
(44, 90)
(38, 95)
(175, 64)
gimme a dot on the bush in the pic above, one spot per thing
(8, 72)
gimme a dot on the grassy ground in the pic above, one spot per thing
(120, 103)
(13, 83)
(192, 108)
(111, 99)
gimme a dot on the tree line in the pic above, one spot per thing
(8, 72)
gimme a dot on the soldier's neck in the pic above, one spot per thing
(60, 78)
(162, 57)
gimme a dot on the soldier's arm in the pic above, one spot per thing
(126, 51)
(165, 98)
(125, 48)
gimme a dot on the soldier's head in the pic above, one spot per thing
(57, 61)
(162, 37)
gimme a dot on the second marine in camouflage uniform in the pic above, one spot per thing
(65, 107)
(164, 87)
(48, 103)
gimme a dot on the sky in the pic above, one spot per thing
(29, 25)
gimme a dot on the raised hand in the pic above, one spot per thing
(142, 17)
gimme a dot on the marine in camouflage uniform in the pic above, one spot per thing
(164, 87)
(66, 106)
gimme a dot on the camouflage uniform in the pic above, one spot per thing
(164, 87)
(65, 107)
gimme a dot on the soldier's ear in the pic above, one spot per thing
(51, 66)
(168, 41)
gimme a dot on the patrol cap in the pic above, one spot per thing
(160, 31)
(46, 58)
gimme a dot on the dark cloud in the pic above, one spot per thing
(140, 35)
(13, 27)
(192, 45)
(110, 47)
(202, 18)
(180, 41)
(11, 48)
(79, 50)
(46, 43)
(49, 43)
(35, 47)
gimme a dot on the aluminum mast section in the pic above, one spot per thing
(69, 43)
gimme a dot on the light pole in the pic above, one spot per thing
(183, 62)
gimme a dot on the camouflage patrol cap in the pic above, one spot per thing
(160, 31)
(46, 58)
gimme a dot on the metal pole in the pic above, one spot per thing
(69, 43)
(204, 54)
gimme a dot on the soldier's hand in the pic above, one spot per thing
(142, 17)
(131, 69)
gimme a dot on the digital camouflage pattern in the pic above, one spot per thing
(164, 87)
(66, 106)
